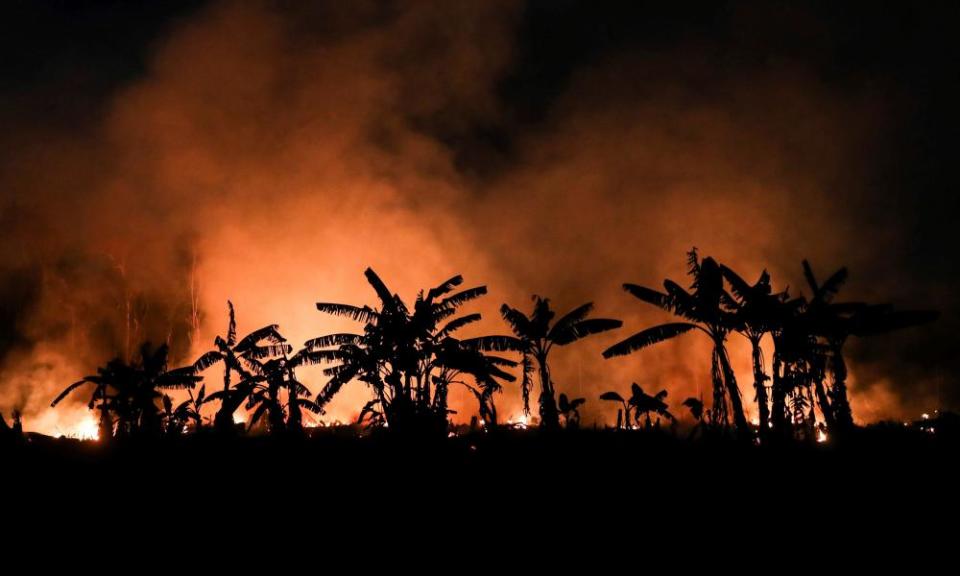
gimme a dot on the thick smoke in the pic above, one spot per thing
(271, 153)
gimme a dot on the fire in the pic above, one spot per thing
(239, 418)
(86, 429)
(821, 436)
(521, 422)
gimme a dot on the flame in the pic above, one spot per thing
(821, 436)
(520, 422)
(86, 429)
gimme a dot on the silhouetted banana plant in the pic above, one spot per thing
(273, 376)
(644, 404)
(402, 355)
(187, 412)
(238, 357)
(755, 315)
(832, 324)
(534, 338)
(623, 413)
(104, 384)
(638, 405)
(132, 391)
(709, 309)
(695, 406)
(570, 410)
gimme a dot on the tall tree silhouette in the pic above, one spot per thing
(237, 357)
(534, 338)
(755, 315)
(709, 309)
(831, 324)
(146, 381)
(102, 398)
(402, 354)
(276, 375)
(132, 392)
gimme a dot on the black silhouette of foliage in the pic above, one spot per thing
(409, 358)
(534, 337)
(756, 309)
(241, 358)
(695, 405)
(707, 308)
(128, 395)
(570, 410)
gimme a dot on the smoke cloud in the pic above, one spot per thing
(270, 152)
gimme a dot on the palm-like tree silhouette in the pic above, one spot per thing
(270, 378)
(709, 309)
(146, 381)
(644, 404)
(131, 392)
(238, 357)
(830, 324)
(407, 358)
(534, 338)
(623, 413)
(188, 411)
(755, 314)
(695, 405)
(639, 404)
(102, 399)
(456, 360)
(570, 410)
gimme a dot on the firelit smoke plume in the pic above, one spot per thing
(268, 155)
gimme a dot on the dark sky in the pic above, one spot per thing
(66, 66)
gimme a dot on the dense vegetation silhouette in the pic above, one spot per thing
(409, 355)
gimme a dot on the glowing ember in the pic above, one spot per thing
(239, 418)
(925, 416)
(821, 436)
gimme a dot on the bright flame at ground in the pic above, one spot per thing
(520, 422)
(239, 418)
(821, 436)
(86, 429)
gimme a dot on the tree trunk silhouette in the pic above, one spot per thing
(759, 380)
(779, 398)
(843, 417)
(549, 416)
(736, 403)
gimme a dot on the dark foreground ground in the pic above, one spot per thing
(631, 486)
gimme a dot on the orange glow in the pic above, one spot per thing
(231, 177)
(86, 429)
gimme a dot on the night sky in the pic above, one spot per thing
(267, 152)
